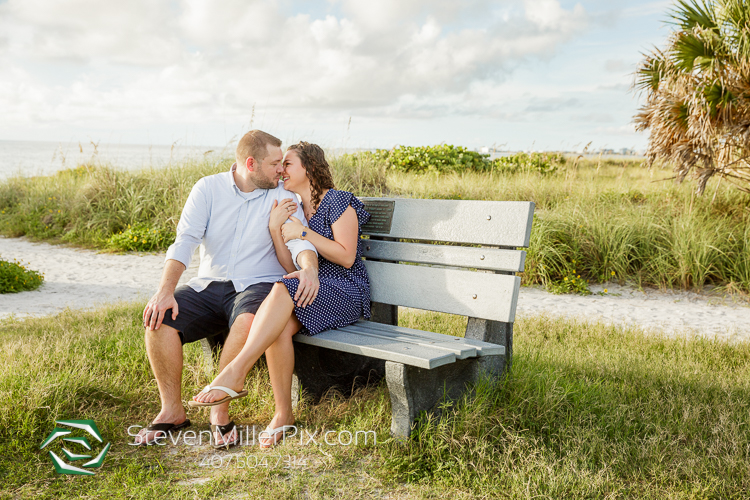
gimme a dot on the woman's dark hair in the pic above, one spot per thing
(318, 172)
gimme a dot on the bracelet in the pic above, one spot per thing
(302, 234)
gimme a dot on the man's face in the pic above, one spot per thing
(267, 174)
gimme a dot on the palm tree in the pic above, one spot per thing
(698, 92)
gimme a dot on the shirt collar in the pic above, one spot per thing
(237, 192)
(232, 170)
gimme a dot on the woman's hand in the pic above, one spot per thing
(280, 213)
(292, 230)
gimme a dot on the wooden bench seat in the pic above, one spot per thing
(401, 345)
(453, 256)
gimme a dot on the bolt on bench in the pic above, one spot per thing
(429, 270)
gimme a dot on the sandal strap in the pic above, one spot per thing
(167, 426)
(223, 429)
(160, 427)
(227, 390)
(269, 433)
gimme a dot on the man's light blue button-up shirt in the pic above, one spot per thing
(231, 228)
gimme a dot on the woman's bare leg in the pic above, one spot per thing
(270, 320)
(280, 359)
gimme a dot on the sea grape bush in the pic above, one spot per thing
(441, 158)
(445, 158)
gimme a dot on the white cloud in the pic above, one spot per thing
(143, 61)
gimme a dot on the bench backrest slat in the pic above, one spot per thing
(466, 293)
(452, 256)
(499, 223)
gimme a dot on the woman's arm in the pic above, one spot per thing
(342, 250)
(275, 221)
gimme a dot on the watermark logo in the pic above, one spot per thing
(65, 435)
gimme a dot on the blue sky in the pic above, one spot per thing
(521, 74)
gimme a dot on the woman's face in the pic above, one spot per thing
(295, 175)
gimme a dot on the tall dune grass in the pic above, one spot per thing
(602, 220)
(615, 221)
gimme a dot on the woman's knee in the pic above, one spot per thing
(280, 292)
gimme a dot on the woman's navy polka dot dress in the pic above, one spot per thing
(344, 294)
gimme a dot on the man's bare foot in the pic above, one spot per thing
(268, 439)
(145, 436)
(227, 378)
(220, 416)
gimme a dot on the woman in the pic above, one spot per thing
(335, 219)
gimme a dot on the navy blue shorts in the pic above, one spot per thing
(213, 310)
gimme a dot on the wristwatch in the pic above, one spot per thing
(303, 234)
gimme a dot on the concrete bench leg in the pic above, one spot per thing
(414, 390)
(494, 332)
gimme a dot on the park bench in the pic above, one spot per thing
(451, 256)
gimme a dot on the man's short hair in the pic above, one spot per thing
(255, 143)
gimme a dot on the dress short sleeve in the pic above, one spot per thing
(340, 201)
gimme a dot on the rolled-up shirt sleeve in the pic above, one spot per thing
(192, 225)
(297, 246)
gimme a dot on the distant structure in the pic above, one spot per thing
(497, 152)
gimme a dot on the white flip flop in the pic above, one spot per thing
(229, 397)
(269, 433)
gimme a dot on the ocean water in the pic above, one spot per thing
(29, 158)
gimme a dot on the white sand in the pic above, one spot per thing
(84, 279)
(80, 279)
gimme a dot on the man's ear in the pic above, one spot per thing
(250, 163)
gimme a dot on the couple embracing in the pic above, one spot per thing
(269, 268)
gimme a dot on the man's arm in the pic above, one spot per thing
(308, 278)
(190, 231)
(163, 299)
(296, 246)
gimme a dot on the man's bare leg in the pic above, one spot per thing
(232, 346)
(280, 359)
(164, 350)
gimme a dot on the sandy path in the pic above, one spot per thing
(80, 278)
(84, 279)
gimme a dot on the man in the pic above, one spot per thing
(227, 215)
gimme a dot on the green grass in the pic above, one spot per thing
(603, 220)
(589, 411)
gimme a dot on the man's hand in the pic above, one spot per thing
(153, 314)
(308, 285)
(292, 229)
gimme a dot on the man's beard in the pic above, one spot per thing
(262, 181)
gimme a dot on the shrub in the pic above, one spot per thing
(542, 163)
(142, 238)
(441, 158)
(14, 277)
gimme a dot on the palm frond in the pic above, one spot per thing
(688, 14)
(734, 16)
(690, 49)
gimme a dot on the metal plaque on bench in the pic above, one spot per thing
(381, 212)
